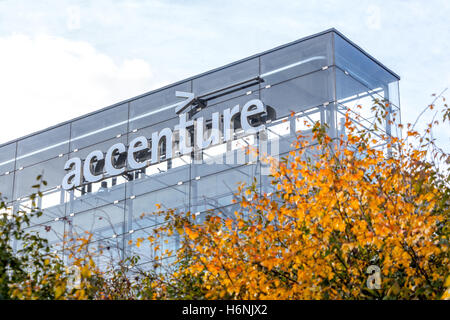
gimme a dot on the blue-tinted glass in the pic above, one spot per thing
(101, 222)
(43, 146)
(148, 131)
(159, 176)
(225, 77)
(297, 59)
(223, 157)
(146, 251)
(51, 203)
(95, 195)
(394, 93)
(6, 187)
(52, 231)
(99, 127)
(156, 107)
(107, 252)
(360, 66)
(207, 112)
(280, 135)
(102, 146)
(225, 96)
(217, 190)
(52, 171)
(300, 94)
(139, 211)
(171, 197)
(227, 83)
(355, 97)
(349, 87)
(7, 158)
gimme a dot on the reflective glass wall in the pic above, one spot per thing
(318, 78)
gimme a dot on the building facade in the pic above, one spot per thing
(107, 191)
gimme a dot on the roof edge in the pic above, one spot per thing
(366, 53)
(200, 75)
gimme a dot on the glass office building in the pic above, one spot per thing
(317, 78)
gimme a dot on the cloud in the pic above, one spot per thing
(73, 18)
(54, 79)
(373, 20)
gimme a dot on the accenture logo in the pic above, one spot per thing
(188, 135)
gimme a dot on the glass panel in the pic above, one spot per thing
(280, 136)
(225, 77)
(95, 195)
(43, 146)
(6, 187)
(305, 121)
(300, 94)
(110, 185)
(225, 212)
(99, 127)
(227, 95)
(107, 252)
(139, 209)
(7, 158)
(156, 107)
(297, 59)
(230, 76)
(350, 88)
(360, 66)
(395, 117)
(146, 251)
(207, 112)
(358, 99)
(394, 93)
(51, 203)
(157, 177)
(52, 231)
(52, 171)
(101, 222)
(217, 190)
(103, 147)
(52, 212)
(175, 197)
(224, 157)
(148, 131)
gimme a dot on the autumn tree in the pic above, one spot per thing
(363, 216)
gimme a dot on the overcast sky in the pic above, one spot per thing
(60, 59)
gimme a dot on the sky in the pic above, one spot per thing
(60, 59)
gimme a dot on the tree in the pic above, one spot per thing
(34, 271)
(340, 210)
(31, 265)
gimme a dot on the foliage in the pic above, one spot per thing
(337, 208)
(31, 264)
(33, 271)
